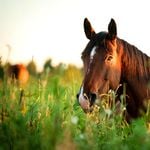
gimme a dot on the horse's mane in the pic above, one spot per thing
(136, 61)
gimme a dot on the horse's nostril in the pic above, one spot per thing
(92, 98)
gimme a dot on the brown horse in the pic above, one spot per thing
(19, 72)
(110, 62)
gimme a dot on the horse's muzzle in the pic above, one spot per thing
(86, 101)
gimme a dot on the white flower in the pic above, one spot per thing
(108, 112)
(81, 136)
(74, 119)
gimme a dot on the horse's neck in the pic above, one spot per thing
(136, 64)
(135, 68)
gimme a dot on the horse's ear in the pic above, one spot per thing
(112, 29)
(89, 31)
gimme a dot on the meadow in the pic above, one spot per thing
(45, 115)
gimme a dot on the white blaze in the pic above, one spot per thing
(93, 52)
(82, 100)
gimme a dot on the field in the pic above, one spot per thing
(45, 115)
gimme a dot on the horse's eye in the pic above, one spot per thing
(109, 58)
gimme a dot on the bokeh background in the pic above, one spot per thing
(42, 29)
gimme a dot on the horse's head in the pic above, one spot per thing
(102, 64)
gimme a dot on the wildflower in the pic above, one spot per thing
(81, 136)
(108, 112)
(124, 108)
(39, 115)
(74, 119)
(47, 111)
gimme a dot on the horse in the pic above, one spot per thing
(108, 62)
(18, 72)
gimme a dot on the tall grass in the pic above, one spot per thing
(45, 115)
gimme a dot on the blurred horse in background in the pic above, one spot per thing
(18, 72)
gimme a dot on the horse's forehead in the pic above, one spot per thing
(93, 52)
(98, 39)
(94, 44)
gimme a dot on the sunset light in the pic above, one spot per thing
(54, 29)
(74, 74)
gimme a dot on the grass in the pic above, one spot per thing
(45, 115)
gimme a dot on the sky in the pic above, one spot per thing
(42, 29)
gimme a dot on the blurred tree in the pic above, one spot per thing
(1, 73)
(72, 75)
(48, 66)
(60, 68)
(1, 70)
(32, 67)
